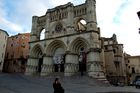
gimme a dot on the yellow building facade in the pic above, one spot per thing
(133, 68)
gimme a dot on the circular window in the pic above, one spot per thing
(58, 27)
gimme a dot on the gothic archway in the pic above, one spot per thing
(80, 24)
(79, 43)
(42, 34)
(57, 49)
(37, 55)
(80, 46)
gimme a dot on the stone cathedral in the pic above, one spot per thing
(72, 42)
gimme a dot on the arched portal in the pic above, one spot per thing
(59, 59)
(80, 47)
(81, 25)
(42, 34)
(57, 50)
(37, 54)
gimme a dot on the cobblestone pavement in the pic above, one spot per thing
(18, 83)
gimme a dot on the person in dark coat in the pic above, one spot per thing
(57, 86)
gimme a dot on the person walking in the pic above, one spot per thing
(57, 86)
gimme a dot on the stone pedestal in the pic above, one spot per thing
(94, 68)
(47, 66)
(71, 64)
(47, 69)
(31, 67)
(70, 69)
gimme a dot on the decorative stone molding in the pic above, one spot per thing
(47, 69)
(30, 70)
(70, 69)
(94, 69)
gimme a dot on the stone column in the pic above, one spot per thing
(47, 26)
(33, 33)
(70, 18)
(91, 15)
(1, 66)
(94, 63)
(47, 66)
(32, 65)
(71, 64)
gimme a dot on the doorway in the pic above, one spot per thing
(40, 65)
(59, 59)
(82, 61)
(59, 63)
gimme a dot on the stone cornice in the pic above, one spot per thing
(68, 35)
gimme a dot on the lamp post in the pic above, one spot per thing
(138, 13)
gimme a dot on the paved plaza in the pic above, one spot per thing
(18, 83)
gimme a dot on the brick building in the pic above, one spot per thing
(17, 53)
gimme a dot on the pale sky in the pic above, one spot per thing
(113, 16)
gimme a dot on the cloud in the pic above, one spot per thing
(2, 11)
(113, 16)
(106, 9)
(59, 2)
(119, 17)
(5, 24)
(16, 16)
(128, 33)
(11, 25)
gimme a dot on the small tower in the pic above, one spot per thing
(34, 29)
(91, 15)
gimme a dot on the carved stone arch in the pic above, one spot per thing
(51, 48)
(81, 24)
(37, 51)
(39, 30)
(77, 44)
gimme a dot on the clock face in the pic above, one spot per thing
(58, 27)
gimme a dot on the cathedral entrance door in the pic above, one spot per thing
(39, 65)
(58, 63)
(82, 61)
(59, 60)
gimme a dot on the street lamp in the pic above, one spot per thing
(139, 30)
(138, 13)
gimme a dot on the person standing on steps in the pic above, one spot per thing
(57, 86)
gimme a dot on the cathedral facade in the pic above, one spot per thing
(72, 41)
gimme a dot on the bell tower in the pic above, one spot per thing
(91, 15)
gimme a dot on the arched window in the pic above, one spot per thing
(42, 34)
(81, 25)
